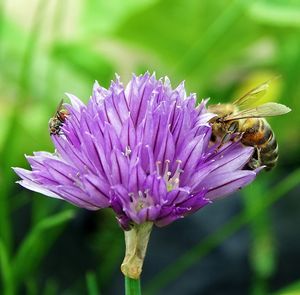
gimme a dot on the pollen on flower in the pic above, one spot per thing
(140, 200)
(127, 151)
(172, 182)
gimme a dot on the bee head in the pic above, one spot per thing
(215, 119)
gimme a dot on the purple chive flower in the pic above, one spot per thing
(144, 150)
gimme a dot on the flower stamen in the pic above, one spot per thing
(158, 164)
(127, 151)
(131, 196)
(172, 182)
(140, 200)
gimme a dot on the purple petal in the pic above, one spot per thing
(225, 183)
(76, 102)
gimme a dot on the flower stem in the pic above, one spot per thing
(136, 241)
(132, 286)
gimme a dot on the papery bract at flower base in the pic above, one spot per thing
(142, 150)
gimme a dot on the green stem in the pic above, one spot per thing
(136, 241)
(132, 286)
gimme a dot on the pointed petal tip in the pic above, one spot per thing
(20, 171)
(259, 169)
(75, 101)
(205, 100)
(95, 85)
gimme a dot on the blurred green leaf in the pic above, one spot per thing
(44, 207)
(6, 271)
(6, 152)
(89, 63)
(51, 287)
(31, 286)
(37, 243)
(263, 258)
(108, 246)
(201, 46)
(263, 246)
(292, 289)
(104, 16)
(91, 282)
(195, 48)
(276, 13)
(262, 252)
(19, 200)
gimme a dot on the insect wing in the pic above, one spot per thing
(58, 107)
(252, 97)
(268, 109)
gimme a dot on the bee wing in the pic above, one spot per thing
(59, 107)
(268, 109)
(252, 97)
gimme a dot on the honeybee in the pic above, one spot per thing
(245, 116)
(55, 123)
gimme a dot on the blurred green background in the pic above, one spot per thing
(246, 244)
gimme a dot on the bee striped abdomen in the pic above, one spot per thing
(261, 136)
(269, 153)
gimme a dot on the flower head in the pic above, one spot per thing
(144, 150)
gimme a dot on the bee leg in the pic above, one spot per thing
(233, 127)
(260, 162)
(255, 161)
(224, 139)
(227, 137)
(228, 132)
(60, 133)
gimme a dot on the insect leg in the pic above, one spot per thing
(233, 127)
(255, 160)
